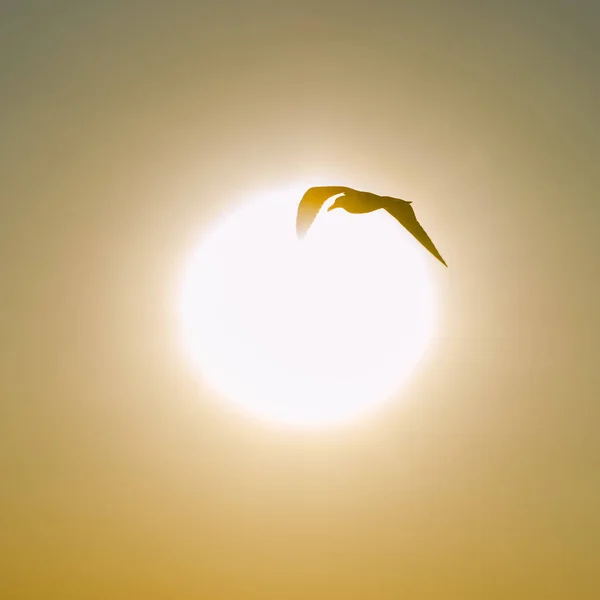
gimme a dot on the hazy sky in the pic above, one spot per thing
(125, 126)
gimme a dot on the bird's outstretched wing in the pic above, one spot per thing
(311, 203)
(403, 212)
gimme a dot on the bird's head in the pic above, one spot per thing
(337, 203)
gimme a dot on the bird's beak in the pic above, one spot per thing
(331, 207)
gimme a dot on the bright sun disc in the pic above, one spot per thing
(311, 332)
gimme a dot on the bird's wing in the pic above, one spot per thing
(404, 213)
(311, 203)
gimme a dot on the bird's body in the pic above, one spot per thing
(358, 202)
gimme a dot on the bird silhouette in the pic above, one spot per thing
(357, 202)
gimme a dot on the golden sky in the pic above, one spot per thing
(125, 127)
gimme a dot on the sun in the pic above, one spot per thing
(305, 333)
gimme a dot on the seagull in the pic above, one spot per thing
(357, 202)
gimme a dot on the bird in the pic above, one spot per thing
(358, 202)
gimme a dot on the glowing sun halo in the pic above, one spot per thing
(305, 333)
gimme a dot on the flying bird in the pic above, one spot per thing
(357, 202)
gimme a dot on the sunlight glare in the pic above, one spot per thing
(310, 332)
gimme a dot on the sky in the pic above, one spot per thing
(126, 128)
